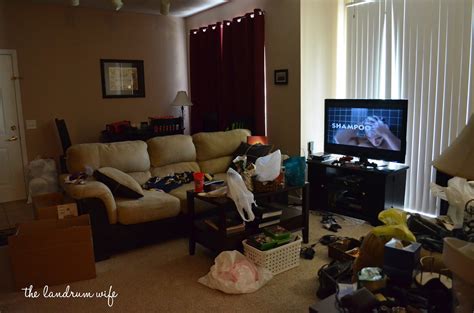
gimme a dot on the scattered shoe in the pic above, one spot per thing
(327, 239)
(329, 222)
(331, 227)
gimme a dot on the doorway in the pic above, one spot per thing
(13, 158)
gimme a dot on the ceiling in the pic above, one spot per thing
(179, 8)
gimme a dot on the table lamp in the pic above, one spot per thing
(458, 158)
(182, 101)
(254, 140)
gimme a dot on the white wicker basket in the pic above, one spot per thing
(277, 260)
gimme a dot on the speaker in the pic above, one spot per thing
(310, 147)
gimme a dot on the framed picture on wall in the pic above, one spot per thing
(281, 77)
(122, 78)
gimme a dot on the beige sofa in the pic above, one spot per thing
(159, 156)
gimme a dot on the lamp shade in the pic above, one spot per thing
(458, 158)
(253, 140)
(181, 100)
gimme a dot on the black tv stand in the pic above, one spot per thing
(358, 191)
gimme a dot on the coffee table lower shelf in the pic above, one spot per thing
(294, 219)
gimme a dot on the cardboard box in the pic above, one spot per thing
(51, 252)
(337, 250)
(398, 276)
(6, 281)
(53, 206)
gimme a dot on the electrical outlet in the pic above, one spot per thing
(30, 124)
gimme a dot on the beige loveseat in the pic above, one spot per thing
(160, 156)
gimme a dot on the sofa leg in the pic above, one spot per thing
(192, 247)
(101, 257)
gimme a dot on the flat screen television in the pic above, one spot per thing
(366, 128)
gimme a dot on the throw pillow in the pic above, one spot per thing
(253, 152)
(120, 183)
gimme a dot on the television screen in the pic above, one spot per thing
(366, 128)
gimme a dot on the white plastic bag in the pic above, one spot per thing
(243, 198)
(458, 193)
(43, 177)
(267, 168)
(233, 273)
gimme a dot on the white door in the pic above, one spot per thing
(12, 180)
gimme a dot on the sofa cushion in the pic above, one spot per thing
(154, 205)
(171, 149)
(217, 165)
(218, 144)
(221, 176)
(171, 169)
(180, 193)
(127, 156)
(140, 177)
(121, 184)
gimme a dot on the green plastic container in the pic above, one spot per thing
(277, 232)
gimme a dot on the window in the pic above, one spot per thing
(421, 51)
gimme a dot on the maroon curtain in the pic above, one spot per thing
(205, 73)
(244, 71)
(228, 79)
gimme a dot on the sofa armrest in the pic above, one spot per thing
(94, 189)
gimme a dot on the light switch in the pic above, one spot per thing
(30, 124)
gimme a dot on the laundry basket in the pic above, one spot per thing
(277, 260)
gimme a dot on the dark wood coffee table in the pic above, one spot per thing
(293, 219)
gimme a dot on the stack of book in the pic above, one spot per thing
(233, 225)
(271, 237)
(266, 216)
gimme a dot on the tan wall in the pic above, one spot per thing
(282, 36)
(58, 53)
(3, 37)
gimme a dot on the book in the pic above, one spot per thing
(232, 225)
(213, 185)
(264, 242)
(261, 242)
(277, 232)
(265, 212)
(281, 242)
(261, 223)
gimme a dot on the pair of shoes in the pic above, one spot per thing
(328, 219)
(332, 227)
(329, 222)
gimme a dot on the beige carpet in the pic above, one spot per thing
(163, 278)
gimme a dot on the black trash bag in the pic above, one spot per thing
(330, 274)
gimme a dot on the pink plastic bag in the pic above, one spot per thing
(233, 273)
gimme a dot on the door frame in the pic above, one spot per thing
(19, 111)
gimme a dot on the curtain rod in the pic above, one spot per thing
(195, 30)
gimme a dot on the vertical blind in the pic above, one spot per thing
(420, 50)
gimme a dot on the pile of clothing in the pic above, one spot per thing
(171, 182)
